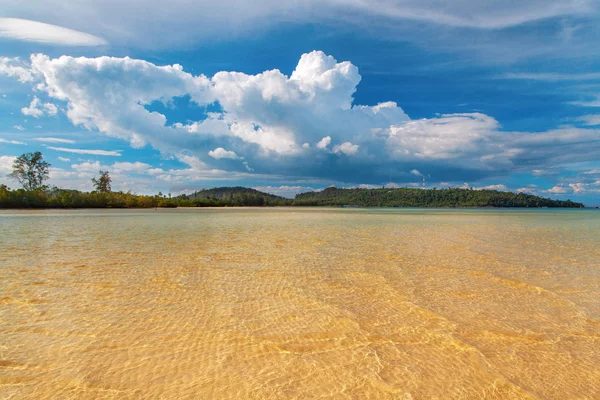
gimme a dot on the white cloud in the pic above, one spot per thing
(459, 139)
(12, 67)
(50, 109)
(137, 167)
(39, 32)
(63, 159)
(416, 172)
(220, 153)
(545, 172)
(323, 143)
(346, 148)
(552, 76)
(87, 166)
(285, 190)
(6, 163)
(530, 189)
(19, 127)
(87, 151)
(11, 141)
(590, 120)
(248, 168)
(32, 110)
(560, 190)
(587, 103)
(53, 140)
(578, 187)
(176, 22)
(36, 109)
(500, 187)
(267, 119)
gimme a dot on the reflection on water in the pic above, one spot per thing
(299, 303)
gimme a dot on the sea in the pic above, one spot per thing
(300, 303)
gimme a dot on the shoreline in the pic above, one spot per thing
(302, 207)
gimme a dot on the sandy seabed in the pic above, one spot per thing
(300, 304)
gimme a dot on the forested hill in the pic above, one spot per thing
(425, 198)
(241, 196)
(237, 195)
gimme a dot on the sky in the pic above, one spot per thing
(296, 96)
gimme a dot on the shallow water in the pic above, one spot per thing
(300, 303)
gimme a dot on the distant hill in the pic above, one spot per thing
(241, 196)
(234, 196)
(405, 197)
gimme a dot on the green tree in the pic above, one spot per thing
(30, 170)
(102, 184)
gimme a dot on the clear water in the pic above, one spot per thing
(299, 304)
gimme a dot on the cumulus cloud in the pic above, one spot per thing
(560, 190)
(346, 148)
(323, 143)
(6, 163)
(137, 167)
(530, 189)
(220, 153)
(87, 151)
(578, 187)
(500, 187)
(270, 121)
(39, 32)
(37, 109)
(13, 68)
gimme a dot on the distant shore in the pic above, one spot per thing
(56, 198)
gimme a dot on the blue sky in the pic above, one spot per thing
(182, 95)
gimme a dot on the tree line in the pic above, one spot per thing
(32, 172)
(442, 198)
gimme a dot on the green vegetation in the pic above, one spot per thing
(63, 198)
(30, 170)
(239, 196)
(425, 198)
(102, 184)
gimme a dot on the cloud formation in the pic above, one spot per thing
(175, 22)
(12, 67)
(220, 153)
(39, 32)
(6, 164)
(301, 126)
(11, 141)
(53, 140)
(37, 109)
(87, 151)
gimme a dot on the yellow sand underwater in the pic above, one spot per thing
(300, 304)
